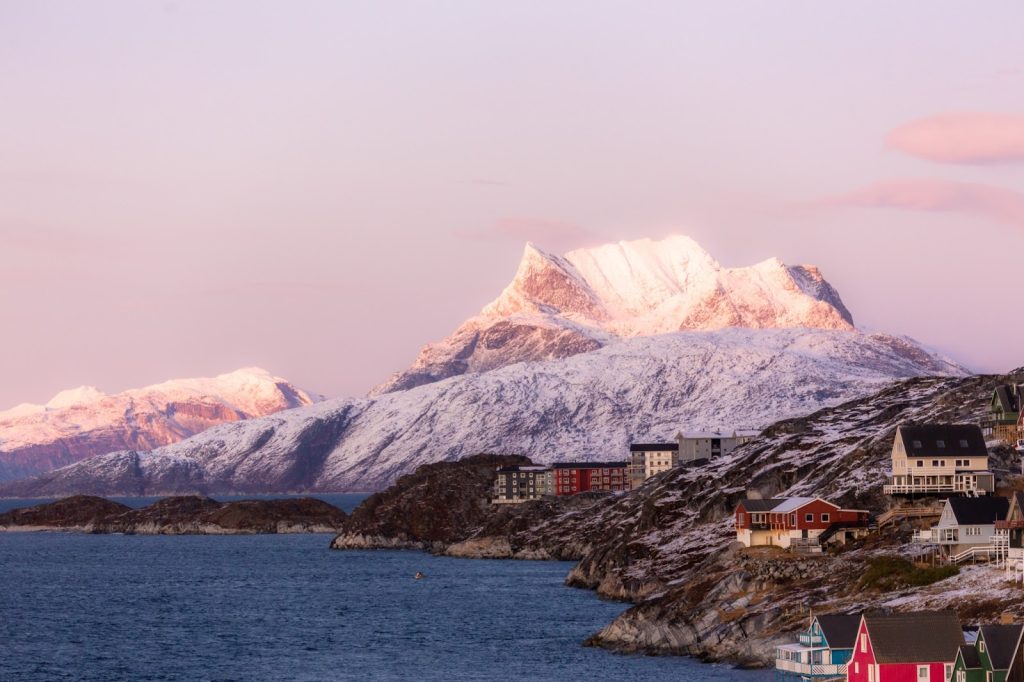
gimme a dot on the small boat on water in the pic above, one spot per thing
(420, 575)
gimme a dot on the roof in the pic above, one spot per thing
(760, 505)
(653, 447)
(1006, 396)
(508, 469)
(959, 440)
(979, 510)
(840, 629)
(790, 504)
(970, 656)
(1018, 497)
(1000, 640)
(590, 465)
(915, 637)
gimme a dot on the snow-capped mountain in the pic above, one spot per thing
(82, 422)
(557, 307)
(584, 407)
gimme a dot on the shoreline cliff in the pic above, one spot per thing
(668, 546)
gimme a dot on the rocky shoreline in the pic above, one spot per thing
(181, 515)
(668, 547)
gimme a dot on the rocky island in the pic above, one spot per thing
(181, 515)
(669, 546)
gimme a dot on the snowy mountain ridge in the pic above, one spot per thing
(589, 406)
(81, 422)
(559, 306)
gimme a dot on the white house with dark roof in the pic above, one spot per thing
(968, 523)
(940, 459)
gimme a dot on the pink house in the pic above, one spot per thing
(920, 646)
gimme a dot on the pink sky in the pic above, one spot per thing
(320, 188)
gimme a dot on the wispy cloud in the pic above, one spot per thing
(968, 138)
(996, 203)
(550, 234)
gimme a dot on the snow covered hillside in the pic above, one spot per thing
(557, 307)
(83, 422)
(588, 406)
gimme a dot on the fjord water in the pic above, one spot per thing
(285, 607)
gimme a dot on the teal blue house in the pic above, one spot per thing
(821, 651)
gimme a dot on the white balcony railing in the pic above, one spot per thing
(810, 668)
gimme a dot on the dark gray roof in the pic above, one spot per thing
(1000, 640)
(653, 447)
(1007, 395)
(923, 440)
(590, 465)
(915, 637)
(1019, 497)
(840, 629)
(761, 505)
(979, 510)
(970, 656)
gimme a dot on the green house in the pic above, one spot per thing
(1004, 411)
(988, 659)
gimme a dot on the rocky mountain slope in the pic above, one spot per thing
(668, 546)
(83, 422)
(587, 406)
(557, 307)
(187, 515)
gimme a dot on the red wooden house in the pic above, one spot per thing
(919, 646)
(790, 520)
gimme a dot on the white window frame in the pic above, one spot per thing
(863, 642)
(926, 670)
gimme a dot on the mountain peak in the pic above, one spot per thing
(647, 286)
(75, 396)
(558, 306)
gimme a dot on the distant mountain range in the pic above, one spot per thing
(82, 422)
(579, 355)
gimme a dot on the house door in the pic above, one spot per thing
(803, 534)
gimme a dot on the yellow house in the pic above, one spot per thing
(937, 459)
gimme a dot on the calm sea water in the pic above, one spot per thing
(285, 607)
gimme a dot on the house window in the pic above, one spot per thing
(922, 672)
(809, 518)
(825, 518)
(742, 518)
(916, 443)
(871, 673)
(963, 443)
(863, 643)
(792, 519)
(920, 462)
(981, 646)
(856, 667)
(935, 462)
(940, 443)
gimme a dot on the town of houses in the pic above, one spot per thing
(940, 478)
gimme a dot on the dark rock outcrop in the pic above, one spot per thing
(184, 515)
(669, 547)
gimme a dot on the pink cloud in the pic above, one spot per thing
(996, 203)
(550, 234)
(972, 138)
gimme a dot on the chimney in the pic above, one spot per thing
(754, 495)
